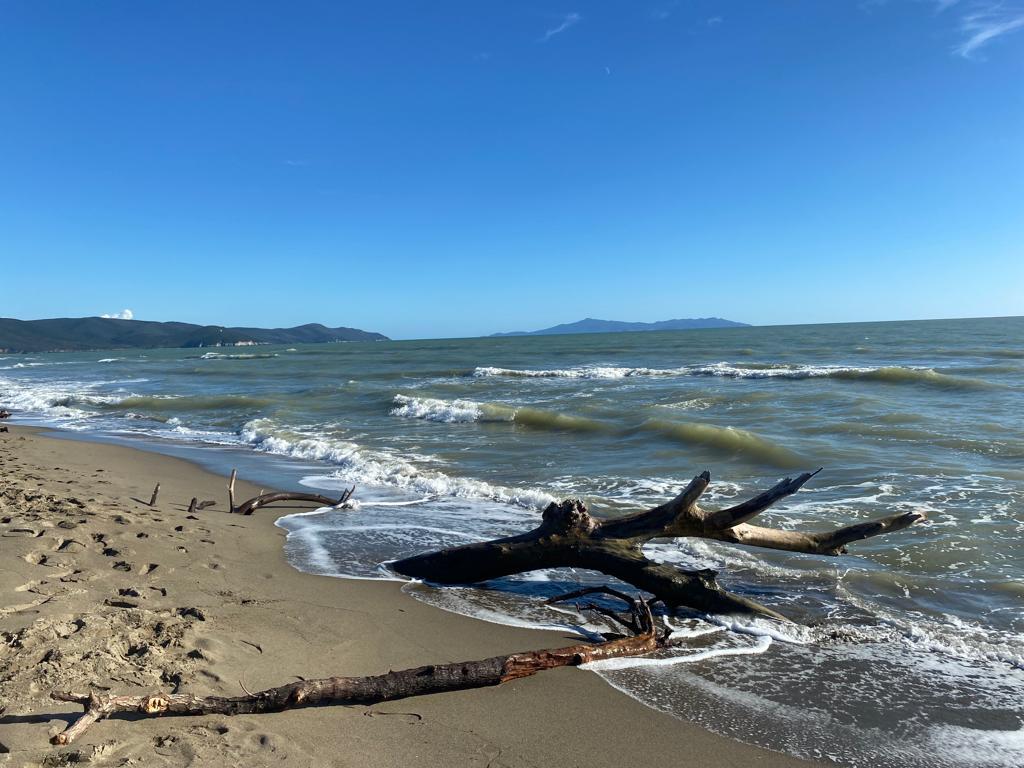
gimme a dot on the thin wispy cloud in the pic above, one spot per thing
(570, 20)
(664, 11)
(977, 22)
(983, 24)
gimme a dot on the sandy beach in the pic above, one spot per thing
(99, 589)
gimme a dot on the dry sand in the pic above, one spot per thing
(97, 588)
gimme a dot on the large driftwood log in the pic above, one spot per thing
(569, 537)
(434, 678)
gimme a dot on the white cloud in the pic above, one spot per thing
(570, 20)
(986, 23)
(124, 314)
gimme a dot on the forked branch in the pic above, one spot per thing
(570, 537)
(730, 516)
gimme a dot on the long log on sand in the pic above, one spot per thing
(644, 638)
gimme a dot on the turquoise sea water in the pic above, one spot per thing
(909, 651)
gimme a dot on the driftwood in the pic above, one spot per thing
(264, 499)
(195, 505)
(156, 492)
(644, 638)
(569, 537)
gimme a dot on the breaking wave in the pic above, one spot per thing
(729, 440)
(359, 465)
(884, 374)
(431, 409)
(246, 356)
(582, 372)
(57, 400)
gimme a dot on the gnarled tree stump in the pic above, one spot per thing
(570, 537)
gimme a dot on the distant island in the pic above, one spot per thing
(70, 334)
(591, 325)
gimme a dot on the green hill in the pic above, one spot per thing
(82, 333)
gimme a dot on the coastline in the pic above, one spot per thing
(222, 608)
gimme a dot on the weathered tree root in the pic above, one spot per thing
(265, 499)
(435, 678)
(569, 537)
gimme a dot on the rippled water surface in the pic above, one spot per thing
(909, 649)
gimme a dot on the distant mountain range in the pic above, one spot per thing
(590, 325)
(83, 333)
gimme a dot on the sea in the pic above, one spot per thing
(907, 651)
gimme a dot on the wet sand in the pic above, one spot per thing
(99, 589)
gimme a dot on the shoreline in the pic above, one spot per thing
(108, 590)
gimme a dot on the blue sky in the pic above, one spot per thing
(457, 168)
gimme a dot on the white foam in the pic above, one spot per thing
(722, 369)
(582, 372)
(949, 635)
(974, 746)
(679, 633)
(776, 371)
(429, 409)
(604, 665)
(248, 356)
(54, 400)
(450, 411)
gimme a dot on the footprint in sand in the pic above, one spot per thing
(28, 533)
